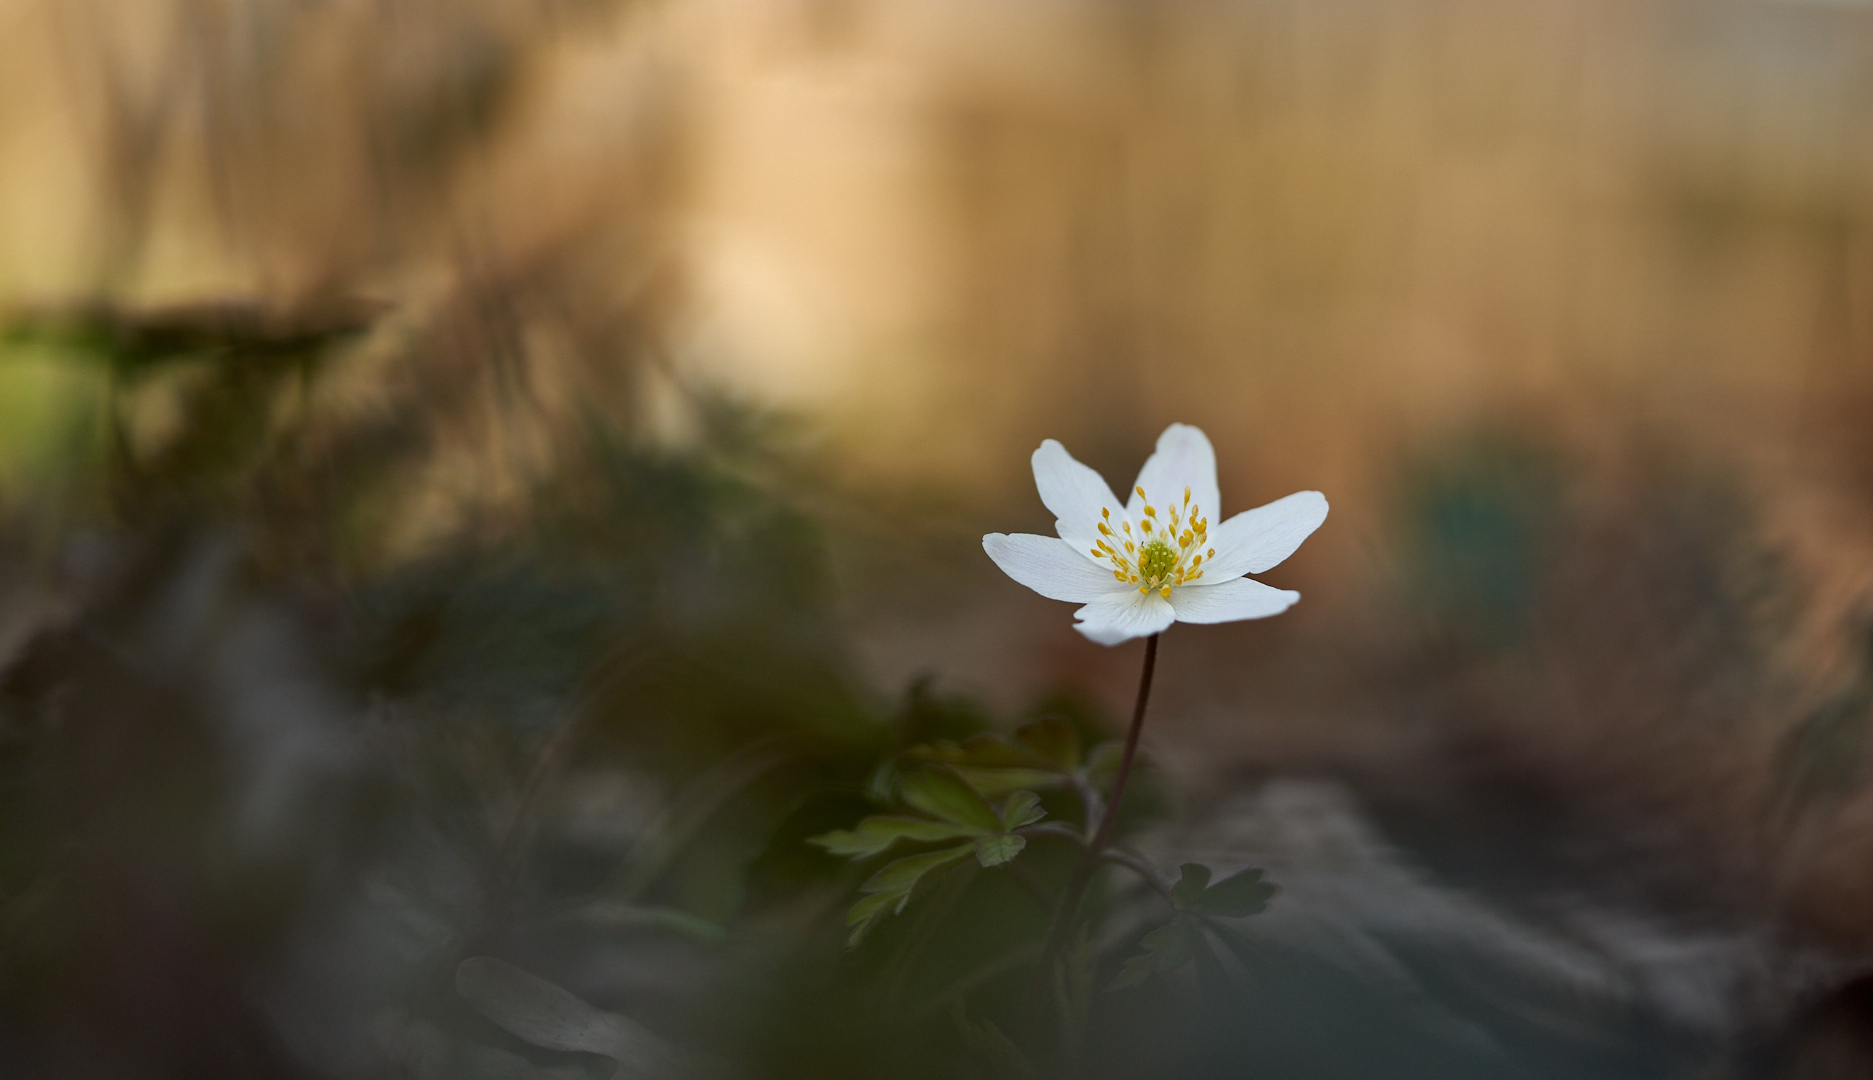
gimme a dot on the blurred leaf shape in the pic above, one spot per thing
(548, 1016)
(957, 811)
(1183, 939)
(1044, 754)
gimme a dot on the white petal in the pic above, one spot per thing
(1227, 601)
(1257, 539)
(1075, 493)
(1121, 616)
(1048, 565)
(1184, 459)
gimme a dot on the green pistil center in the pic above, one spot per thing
(1156, 561)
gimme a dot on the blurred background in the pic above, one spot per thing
(482, 480)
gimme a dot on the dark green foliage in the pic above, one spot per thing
(1196, 902)
(955, 810)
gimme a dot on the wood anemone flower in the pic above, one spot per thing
(1155, 559)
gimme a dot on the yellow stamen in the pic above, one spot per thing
(1165, 592)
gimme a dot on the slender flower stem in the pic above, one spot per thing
(1090, 857)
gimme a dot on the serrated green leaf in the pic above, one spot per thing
(865, 914)
(891, 888)
(868, 907)
(902, 875)
(1022, 808)
(1053, 740)
(875, 834)
(1236, 896)
(1187, 893)
(941, 792)
(996, 850)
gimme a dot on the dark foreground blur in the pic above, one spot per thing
(482, 482)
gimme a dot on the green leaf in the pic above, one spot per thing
(1102, 763)
(874, 834)
(890, 888)
(1022, 808)
(987, 751)
(996, 850)
(942, 793)
(993, 764)
(993, 783)
(1166, 949)
(901, 876)
(546, 1015)
(1053, 740)
(865, 914)
(1186, 894)
(1236, 896)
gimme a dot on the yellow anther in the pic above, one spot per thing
(1150, 512)
(1210, 554)
(1128, 526)
(1140, 491)
(1129, 547)
(1134, 581)
(1186, 496)
(1105, 512)
(1165, 592)
(1186, 538)
(1104, 530)
(1119, 574)
(1196, 562)
(1094, 551)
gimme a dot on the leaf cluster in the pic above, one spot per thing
(1043, 755)
(949, 808)
(1197, 903)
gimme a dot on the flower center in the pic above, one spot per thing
(1160, 553)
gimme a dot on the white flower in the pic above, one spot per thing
(1141, 565)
